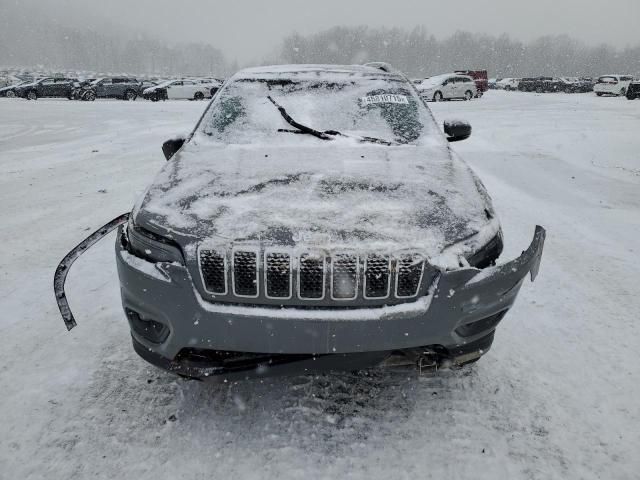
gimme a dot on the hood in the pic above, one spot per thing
(348, 197)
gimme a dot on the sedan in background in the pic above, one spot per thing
(47, 87)
(178, 90)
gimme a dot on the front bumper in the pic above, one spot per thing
(453, 315)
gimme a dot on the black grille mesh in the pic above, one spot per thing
(345, 276)
(278, 275)
(213, 274)
(311, 276)
(275, 273)
(377, 276)
(245, 273)
(409, 270)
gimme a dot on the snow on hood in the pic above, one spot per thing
(340, 194)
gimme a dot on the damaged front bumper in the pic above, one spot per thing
(176, 329)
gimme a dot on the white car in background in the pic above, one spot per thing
(612, 85)
(448, 86)
(213, 84)
(508, 84)
(177, 90)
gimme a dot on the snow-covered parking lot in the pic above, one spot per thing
(558, 396)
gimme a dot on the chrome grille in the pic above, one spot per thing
(213, 268)
(311, 277)
(409, 270)
(344, 276)
(245, 273)
(277, 275)
(376, 276)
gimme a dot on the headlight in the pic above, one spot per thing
(154, 248)
(487, 255)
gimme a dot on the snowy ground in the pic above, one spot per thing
(556, 397)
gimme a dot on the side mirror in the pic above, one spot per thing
(170, 147)
(457, 130)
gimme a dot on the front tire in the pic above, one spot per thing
(437, 97)
(599, 94)
(11, 94)
(89, 96)
(32, 95)
(198, 96)
(130, 95)
(468, 95)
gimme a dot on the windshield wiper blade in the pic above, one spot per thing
(302, 128)
(327, 134)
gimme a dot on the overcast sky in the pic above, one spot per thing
(249, 30)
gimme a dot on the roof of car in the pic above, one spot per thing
(287, 70)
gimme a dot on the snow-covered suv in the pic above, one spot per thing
(448, 86)
(612, 85)
(315, 219)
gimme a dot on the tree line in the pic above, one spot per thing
(421, 54)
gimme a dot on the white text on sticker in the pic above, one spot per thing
(386, 98)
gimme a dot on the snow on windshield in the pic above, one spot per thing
(379, 105)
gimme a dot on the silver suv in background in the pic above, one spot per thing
(124, 88)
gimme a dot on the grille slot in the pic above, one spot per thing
(408, 275)
(277, 275)
(245, 273)
(376, 276)
(344, 277)
(213, 266)
(311, 277)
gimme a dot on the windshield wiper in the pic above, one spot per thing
(325, 135)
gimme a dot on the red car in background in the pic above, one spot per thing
(480, 77)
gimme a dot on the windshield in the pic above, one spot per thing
(384, 107)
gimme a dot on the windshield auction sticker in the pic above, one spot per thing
(386, 98)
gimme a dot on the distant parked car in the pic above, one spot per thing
(10, 91)
(177, 90)
(508, 84)
(448, 86)
(612, 85)
(479, 77)
(212, 83)
(541, 85)
(9, 80)
(633, 90)
(47, 87)
(125, 88)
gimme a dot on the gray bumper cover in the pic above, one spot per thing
(165, 293)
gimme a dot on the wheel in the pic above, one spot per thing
(198, 96)
(11, 94)
(508, 88)
(437, 97)
(599, 94)
(130, 95)
(539, 90)
(32, 95)
(154, 97)
(89, 96)
(468, 95)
